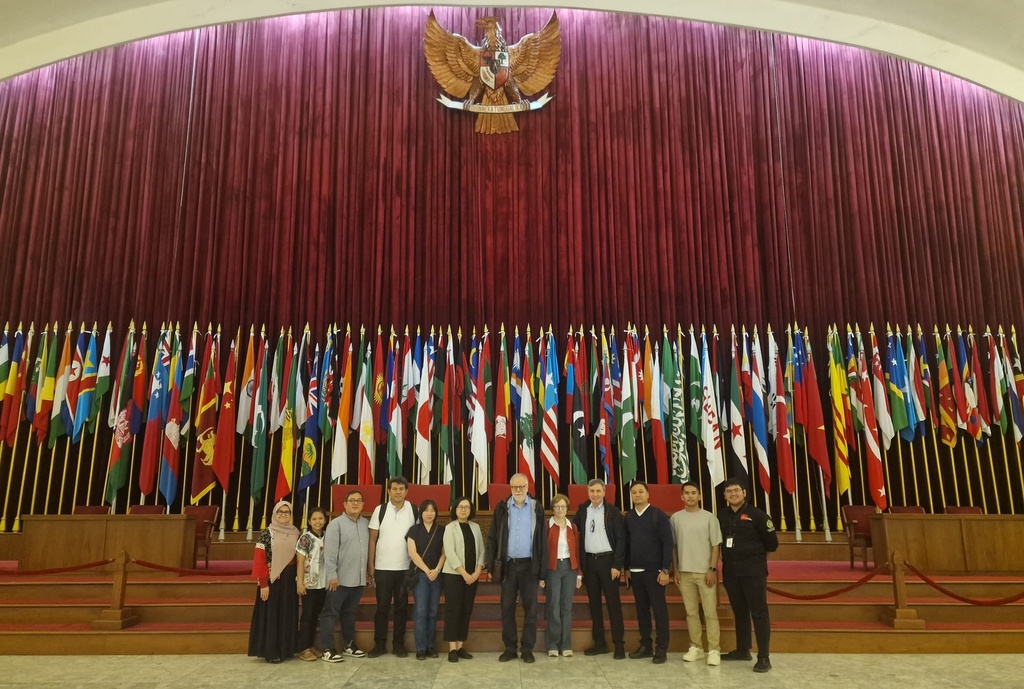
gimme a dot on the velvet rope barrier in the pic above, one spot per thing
(830, 594)
(189, 572)
(60, 570)
(963, 599)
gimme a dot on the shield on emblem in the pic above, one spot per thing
(494, 68)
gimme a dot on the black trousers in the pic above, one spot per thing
(748, 597)
(390, 586)
(312, 604)
(597, 577)
(519, 582)
(459, 598)
(650, 595)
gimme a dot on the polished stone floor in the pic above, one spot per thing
(791, 671)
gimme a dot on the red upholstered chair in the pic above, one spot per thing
(90, 509)
(906, 509)
(373, 495)
(206, 522)
(496, 492)
(441, 494)
(857, 519)
(963, 509)
(667, 497)
(147, 509)
(578, 494)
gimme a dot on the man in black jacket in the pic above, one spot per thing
(649, 557)
(516, 557)
(748, 535)
(602, 556)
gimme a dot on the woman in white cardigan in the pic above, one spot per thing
(464, 561)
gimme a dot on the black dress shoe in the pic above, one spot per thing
(596, 650)
(528, 657)
(399, 650)
(431, 652)
(507, 656)
(641, 652)
(762, 665)
(737, 655)
(620, 652)
(453, 656)
(421, 655)
(659, 658)
(464, 654)
(376, 651)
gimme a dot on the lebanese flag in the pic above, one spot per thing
(425, 414)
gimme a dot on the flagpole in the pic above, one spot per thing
(78, 475)
(782, 503)
(10, 479)
(796, 516)
(67, 452)
(238, 494)
(1006, 468)
(938, 469)
(248, 526)
(810, 485)
(223, 513)
(824, 506)
(266, 489)
(992, 469)
(981, 478)
(1016, 445)
(967, 475)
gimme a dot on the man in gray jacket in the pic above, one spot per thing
(346, 558)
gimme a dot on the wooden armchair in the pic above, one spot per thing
(858, 529)
(906, 509)
(147, 509)
(206, 522)
(90, 509)
(963, 509)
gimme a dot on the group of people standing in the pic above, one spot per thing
(403, 547)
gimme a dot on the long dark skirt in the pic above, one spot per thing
(273, 633)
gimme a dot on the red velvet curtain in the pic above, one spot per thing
(298, 170)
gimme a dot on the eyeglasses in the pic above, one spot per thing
(354, 501)
(734, 491)
(560, 507)
(463, 507)
(517, 487)
(283, 512)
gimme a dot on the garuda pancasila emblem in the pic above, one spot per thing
(493, 73)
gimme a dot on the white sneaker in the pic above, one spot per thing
(352, 652)
(567, 653)
(552, 653)
(695, 653)
(714, 658)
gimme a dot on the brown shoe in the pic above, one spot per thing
(308, 654)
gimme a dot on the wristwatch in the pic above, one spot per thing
(712, 569)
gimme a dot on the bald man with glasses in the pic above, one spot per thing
(516, 558)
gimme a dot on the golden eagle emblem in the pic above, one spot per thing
(494, 73)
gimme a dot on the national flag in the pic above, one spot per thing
(203, 476)
(711, 434)
(527, 426)
(38, 370)
(915, 384)
(872, 389)
(120, 419)
(997, 384)
(310, 467)
(646, 388)
(928, 382)
(5, 362)
(377, 388)
(615, 420)
(577, 427)
(605, 411)
(677, 414)
(188, 383)
(737, 431)
(881, 400)
(502, 413)
(47, 383)
(626, 423)
(396, 444)
(978, 387)
(445, 437)
(86, 387)
(60, 388)
(779, 418)
(170, 457)
(367, 444)
(478, 431)
(853, 384)
(1014, 397)
(224, 450)
(258, 476)
(287, 365)
(657, 407)
(243, 409)
(972, 419)
(12, 386)
(327, 387)
(758, 422)
(947, 402)
(102, 381)
(158, 388)
(549, 429)
(516, 375)
(278, 386)
(339, 456)
(70, 406)
(896, 385)
(424, 413)
(840, 411)
(696, 388)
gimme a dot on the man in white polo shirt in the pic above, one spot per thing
(389, 563)
(698, 539)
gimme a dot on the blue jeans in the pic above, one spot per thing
(559, 585)
(342, 604)
(427, 595)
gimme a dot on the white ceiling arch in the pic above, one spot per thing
(979, 40)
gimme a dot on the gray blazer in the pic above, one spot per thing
(455, 548)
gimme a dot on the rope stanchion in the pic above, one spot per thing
(189, 572)
(830, 594)
(59, 570)
(956, 596)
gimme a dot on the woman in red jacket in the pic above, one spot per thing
(563, 576)
(275, 616)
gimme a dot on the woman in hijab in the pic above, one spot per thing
(275, 616)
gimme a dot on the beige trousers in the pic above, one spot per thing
(695, 592)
